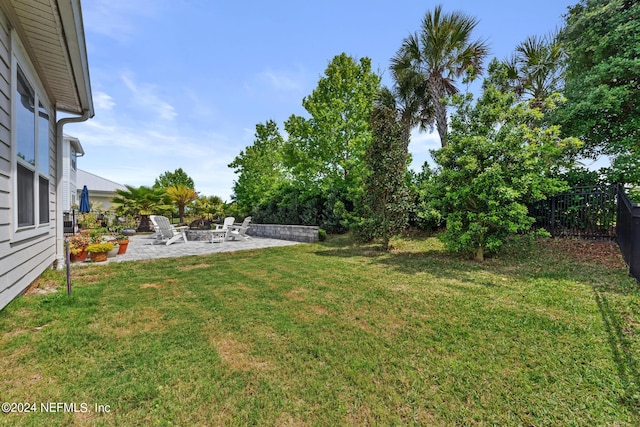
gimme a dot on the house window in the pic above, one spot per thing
(74, 160)
(32, 132)
(26, 200)
(43, 140)
(43, 194)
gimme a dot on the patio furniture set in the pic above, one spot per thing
(167, 233)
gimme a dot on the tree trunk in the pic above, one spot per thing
(479, 254)
(385, 243)
(436, 89)
(406, 135)
(145, 224)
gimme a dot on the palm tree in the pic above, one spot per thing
(441, 53)
(209, 207)
(535, 69)
(140, 201)
(181, 195)
(410, 99)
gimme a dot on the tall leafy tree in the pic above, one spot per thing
(602, 82)
(442, 52)
(385, 203)
(177, 177)
(181, 196)
(259, 167)
(497, 161)
(325, 151)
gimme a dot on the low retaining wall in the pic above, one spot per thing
(198, 235)
(296, 233)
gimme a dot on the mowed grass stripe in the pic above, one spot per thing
(334, 334)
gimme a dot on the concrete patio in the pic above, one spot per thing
(142, 247)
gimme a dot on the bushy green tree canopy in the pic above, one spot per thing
(497, 161)
(602, 82)
(318, 168)
(326, 150)
(259, 167)
(177, 177)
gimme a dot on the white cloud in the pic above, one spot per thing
(144, 95)
(283, 80)
(137, 154)
(204, 109)
(102, 101)
(421, 143)
(116, 18)
(424, 141)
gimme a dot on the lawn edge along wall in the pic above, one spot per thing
(295, 233)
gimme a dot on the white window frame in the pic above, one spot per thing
(20, 59)
(74, 158)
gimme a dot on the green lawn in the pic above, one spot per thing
(334, 334)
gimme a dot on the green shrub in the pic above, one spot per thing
(322, 234)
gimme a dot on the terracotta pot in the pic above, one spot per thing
(80, 257)
(123, 247)
(98, 256)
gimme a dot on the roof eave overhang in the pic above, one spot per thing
(75, 143)
(73, 30)
(70, 29)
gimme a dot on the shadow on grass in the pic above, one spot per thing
(427, 258)
(527, 262)
(622, 350)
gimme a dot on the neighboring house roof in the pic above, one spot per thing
(75, 143)
(96, 183)
(53, 34)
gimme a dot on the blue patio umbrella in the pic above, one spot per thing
(84, 201)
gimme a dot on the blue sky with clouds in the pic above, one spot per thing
(182, 83)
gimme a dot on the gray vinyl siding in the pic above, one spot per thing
(21, 260)
(5, 143)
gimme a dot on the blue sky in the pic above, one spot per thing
(182, 83)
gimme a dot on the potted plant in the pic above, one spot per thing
(88, 221)
(99, 251)
(123, 241)
(124, 226)
(113, 252)
(109, 238)
(78, 247)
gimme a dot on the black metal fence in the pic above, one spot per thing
(628, 230)
(585, 212)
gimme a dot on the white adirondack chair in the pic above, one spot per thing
(220, 233)
(237, 231)
(228, 221)
(167, 233)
